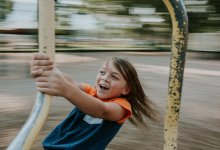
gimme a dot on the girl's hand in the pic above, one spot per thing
(53, 82)
(40, 63)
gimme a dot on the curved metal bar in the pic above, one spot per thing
(179, 18)
(32, 127)
(25, 138)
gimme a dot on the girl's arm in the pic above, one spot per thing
(58, 84)
(93, 106)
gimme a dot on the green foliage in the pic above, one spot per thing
(5, 8)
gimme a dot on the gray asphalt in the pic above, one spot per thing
(199, 124)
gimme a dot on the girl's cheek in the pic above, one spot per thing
(97, 77)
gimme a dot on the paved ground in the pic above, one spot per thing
(199, 126)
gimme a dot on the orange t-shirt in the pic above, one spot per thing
(121, 101)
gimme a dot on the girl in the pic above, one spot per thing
(99, 111)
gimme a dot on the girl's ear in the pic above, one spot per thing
(125, 91)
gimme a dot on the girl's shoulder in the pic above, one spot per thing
(88, 89)
(126, 105)
(123, 102)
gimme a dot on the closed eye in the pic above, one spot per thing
(115, 77)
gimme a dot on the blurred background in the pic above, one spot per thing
(109, 25)
(88, 31)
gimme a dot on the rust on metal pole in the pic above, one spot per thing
(179, 19)
(35, 121)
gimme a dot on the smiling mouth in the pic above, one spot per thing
(104, 87)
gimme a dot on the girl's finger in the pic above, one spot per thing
(41, 79)
(49, 67)
(44, 68)
(42, 85)
(46, 73)
(40, 56)
(43, 90)
(36, 73)
(41, 63)
(46, 91)
(36, 68)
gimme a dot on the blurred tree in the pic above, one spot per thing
(214, 18)
(204, 15)
(5, 8)
(216, 4)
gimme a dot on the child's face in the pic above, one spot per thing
(110, 83)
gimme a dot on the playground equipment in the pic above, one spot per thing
(179, 44)
(34, 123)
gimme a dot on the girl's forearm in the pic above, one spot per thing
(73, 81)
(86, 103)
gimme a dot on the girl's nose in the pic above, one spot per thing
(105, 78)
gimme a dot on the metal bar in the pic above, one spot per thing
(25, 138)
(46, 28)
(179, 19)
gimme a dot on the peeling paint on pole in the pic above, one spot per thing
(179, 44)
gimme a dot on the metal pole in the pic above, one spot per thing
(33, 125)
(179, 19)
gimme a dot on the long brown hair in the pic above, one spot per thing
(140, 103)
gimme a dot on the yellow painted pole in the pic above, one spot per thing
(33, 125)
(179, 19)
